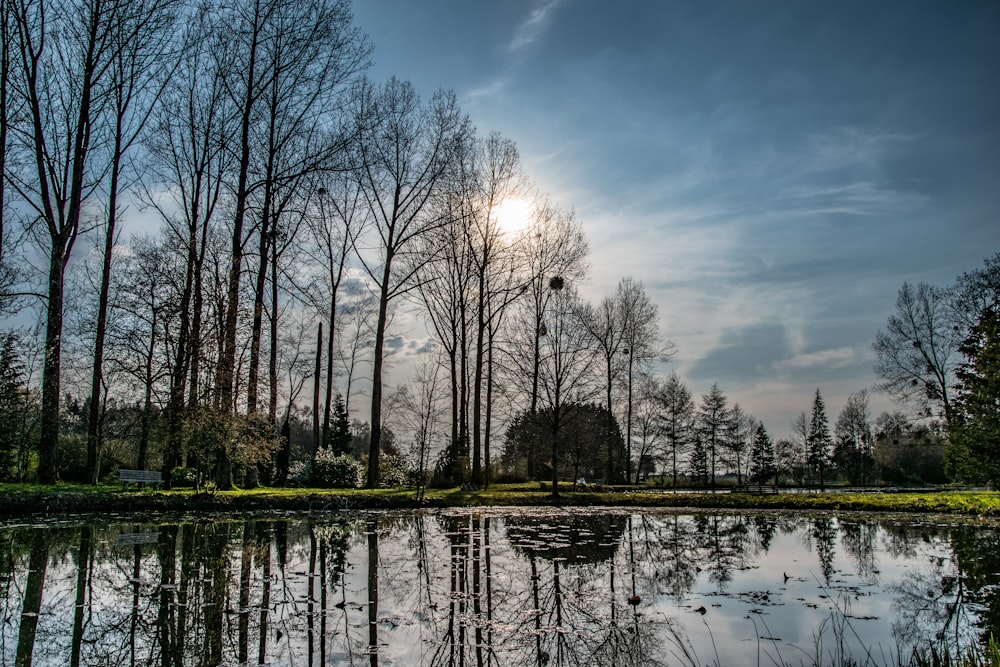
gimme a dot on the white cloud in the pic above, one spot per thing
(533, 27)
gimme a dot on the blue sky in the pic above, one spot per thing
(771, 171)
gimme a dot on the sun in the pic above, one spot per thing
(513, 214)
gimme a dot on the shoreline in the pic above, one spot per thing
(34, 501)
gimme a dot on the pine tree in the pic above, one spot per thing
(975, 434)
(341, 440)
(762, 466)
(819, 442)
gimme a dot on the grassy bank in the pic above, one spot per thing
(21, 499)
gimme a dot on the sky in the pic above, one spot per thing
(771, 171)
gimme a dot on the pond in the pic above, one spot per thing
(501, 586)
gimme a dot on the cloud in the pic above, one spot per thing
(742, 352)
(532, 28)
(839, 357)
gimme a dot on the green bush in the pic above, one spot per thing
(183, 477)
(338, 472)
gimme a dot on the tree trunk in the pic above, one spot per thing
(376, 414)
(316, 380)
(330, 353)
(49, 444)
(97, 377)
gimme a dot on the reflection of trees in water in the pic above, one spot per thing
(37, 563)
(977, 553)
(936, 599)
(859, 539)
(464, 588)
(824, 538)
(721, 545)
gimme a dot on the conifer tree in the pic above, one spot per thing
(818, 442)
(341, 440)
(762, 466)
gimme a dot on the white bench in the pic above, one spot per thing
(142, 477)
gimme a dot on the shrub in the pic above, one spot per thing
(393, 471)
(339, 472)
(298, 474)
(183, 477)
(511, 477)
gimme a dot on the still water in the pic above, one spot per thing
(494, 587)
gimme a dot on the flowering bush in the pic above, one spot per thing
(332, 471)
(393, 471)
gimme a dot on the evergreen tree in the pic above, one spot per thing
(975, 435)
(18, 412)
(762, 465)
(341, 440)
(698, 463)
(819, 442)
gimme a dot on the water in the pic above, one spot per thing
(494, 587)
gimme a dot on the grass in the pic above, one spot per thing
(16, 499)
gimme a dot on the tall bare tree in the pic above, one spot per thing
(640, 338)
(143, 54)
(64, 54)
(677, 419)
(566, 368)
(916, 353)
(335, 221)
(404, 149)
(445, 288)
(606, 325)
(186, 164)
(495, 176)
(311, 52)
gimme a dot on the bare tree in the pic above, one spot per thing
(185, 161)
(404, 149)
(606, 325)
(649, 427)
(445, 288)
(916, 352)
(281, 59)
(641, 345)
(677, 419)
(496, 175)
(335, 222)
(855, 438)
(311, 52)
(64, 55)
(142, 56)
(8, 114)
(421, 413)
(566, 372)
(555, 245)
(741, 428)
(713, 416)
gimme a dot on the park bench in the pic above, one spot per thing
(141, 477)
(756, 489)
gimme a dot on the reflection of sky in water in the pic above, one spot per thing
(611, 588)
(760, 601)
